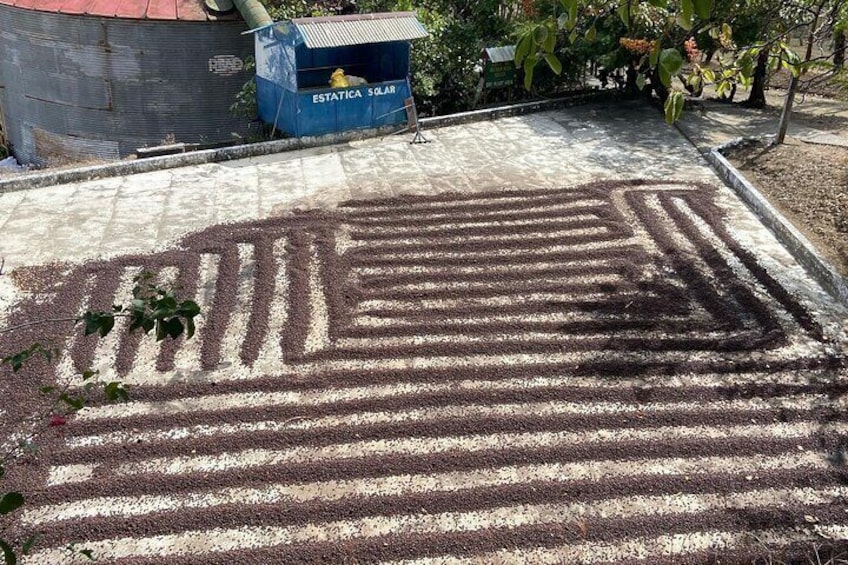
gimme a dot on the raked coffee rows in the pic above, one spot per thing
(599, 374)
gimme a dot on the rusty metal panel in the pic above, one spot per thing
(162, 10)
(117, 83)
(57, 149)
(339, 31)
(183, 10)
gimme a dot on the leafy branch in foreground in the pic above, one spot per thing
(152, 308)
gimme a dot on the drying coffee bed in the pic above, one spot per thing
(597, 374)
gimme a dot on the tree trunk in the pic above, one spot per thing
(787, 110)
(793, 82)
(839, 48)
(658, 86)
(631, 88)
(757, 98)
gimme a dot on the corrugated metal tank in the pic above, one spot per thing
(76, 87)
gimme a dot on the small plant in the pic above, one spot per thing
(244, 105)
(152, 308)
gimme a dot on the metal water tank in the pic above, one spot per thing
(97, 79)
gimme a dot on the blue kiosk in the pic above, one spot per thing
(296, 61)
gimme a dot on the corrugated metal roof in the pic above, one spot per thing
(501, 54)
(338, 31)
(181, 10)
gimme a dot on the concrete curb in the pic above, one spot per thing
(122, 168)
(520, 109)
(798, 245)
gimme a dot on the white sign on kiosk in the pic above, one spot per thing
(335, 96)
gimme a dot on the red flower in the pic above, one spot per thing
(56, 420)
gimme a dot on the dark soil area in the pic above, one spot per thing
(808, 183)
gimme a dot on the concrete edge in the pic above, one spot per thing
(42, 179)
(520, 109)
(798, 245)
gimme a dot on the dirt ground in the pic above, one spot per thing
(808, 183)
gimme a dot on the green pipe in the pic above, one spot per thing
(253, 12)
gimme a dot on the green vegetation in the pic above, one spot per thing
(660, 43)
(658, 48)
(152, 308)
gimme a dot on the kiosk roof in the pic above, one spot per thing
(359, 29)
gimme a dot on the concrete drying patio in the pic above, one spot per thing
(549, 338)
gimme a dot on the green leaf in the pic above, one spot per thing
(165, 307)
(695, 82)
(10, 502)
(550, 41)
(553, 63)
(174, 327)
(568, 19)
(540, 35)
(98, 322)
(572, 37)
(188, 308)
(640, 81)
(591, 34)
(89, 374)
(29, 543)
(88, 553)
(189, 328)
(790, 56)
(529, 65)
(655, 54)
(704, 8)
(161, 331)
(2, 471)
(687, 11)
(670, 63)
(624, 12)
(658, 3)
(115, 392)
(708, 74)
(75, 402)
(794, 69)
(523, 48)
(47, 389)
(673, 106)
(9, 557)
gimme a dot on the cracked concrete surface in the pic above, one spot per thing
(143, 212)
